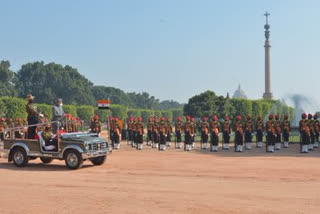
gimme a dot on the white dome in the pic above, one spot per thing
(239, 94)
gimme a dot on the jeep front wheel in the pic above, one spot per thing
(19, 157)
(73, 159)
(46, 160)
(98, 160)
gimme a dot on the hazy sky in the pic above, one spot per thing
(172, 49)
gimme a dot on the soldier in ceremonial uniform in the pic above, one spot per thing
(214, 131)
(116, 133)
(134, 132)
(163, 134)
(277, 127)
(130, 133)
(18, 133)
(139, 133)
(316, 125)
(96, 125)
(3, 126)
(169, 131)
(286, 129)
(304, 133)
(33, 116)
(205, 126)
(10, 125)
(188, 134)
(271, 134)
(149, 131)
(310, 124)
(155, 130)
(178, 130)
(226, 133)
(239, 134)
(259, 132)
(248, 127)
(193, 131)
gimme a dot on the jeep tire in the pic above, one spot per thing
(19, 157)
(46, 159)
(73, 159)
(99, 160)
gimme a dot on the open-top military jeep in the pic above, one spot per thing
(74, 148)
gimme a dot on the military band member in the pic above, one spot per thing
(163, 134)
(149, 131)
(188, 134)
(156, 133)
(205, 126)
(226, 133)
(316, 130)
(310, 124)
(277, 127)
(139, 133)
(169, 132)
(214, 131)
(3, 126)
(248, 127)
(178, 130)
(286, 129)
(239, 134)
(259, 131)
(271, 134)
(304, 134)
(116, 133)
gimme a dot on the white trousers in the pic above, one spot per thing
(149, 143)
(204, 145)
(179, 145)
(278, 146)
(214, 148)
(168, 144)
(226, 146)
(285, 144)
(238, 148)
(304, 148)
(270, 148)
(316, 145)
(259, 144)
(139, 146)
(117, 145)
(155, 145)
(188, 147)
(163, 147)
(248, 146)
(310, 146)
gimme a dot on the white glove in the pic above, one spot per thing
(41, 115)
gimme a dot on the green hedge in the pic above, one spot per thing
(103, 113)
(85, 112)
(70, 109)
(119, 111)
(12, 107)
(134, 113)
(45, 109)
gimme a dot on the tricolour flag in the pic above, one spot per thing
(103, 104)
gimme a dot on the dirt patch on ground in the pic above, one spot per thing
(174, 181)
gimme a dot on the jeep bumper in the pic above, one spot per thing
(94, 154)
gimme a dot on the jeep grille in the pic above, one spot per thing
(97, 146)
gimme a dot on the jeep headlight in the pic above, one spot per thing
(86, 146)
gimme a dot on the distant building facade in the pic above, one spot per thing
(239, 94)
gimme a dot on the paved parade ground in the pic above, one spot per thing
(174, 181)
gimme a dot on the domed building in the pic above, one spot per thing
(239, 94)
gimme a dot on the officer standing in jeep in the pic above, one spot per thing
(33, 116)
(57, 116)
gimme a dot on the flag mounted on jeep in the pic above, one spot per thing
(103, 104)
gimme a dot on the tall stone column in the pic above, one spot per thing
(267, 94)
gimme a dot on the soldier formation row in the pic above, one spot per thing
(159, 133)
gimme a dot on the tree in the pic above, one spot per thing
(50, 81)
(201, 105)
(115, 95)
(7, 80)
(169, 104)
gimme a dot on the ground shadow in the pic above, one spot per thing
(38, 167)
